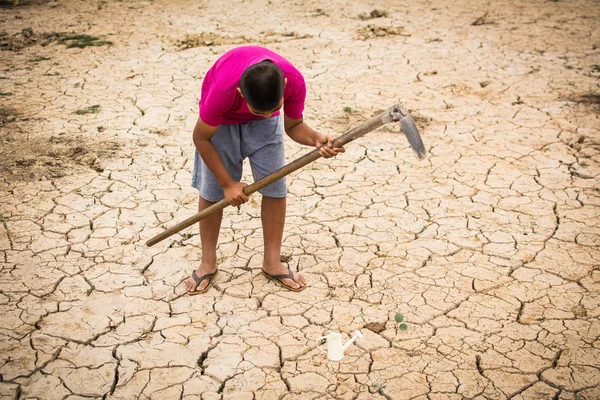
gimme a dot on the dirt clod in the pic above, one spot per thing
(373, 14)
(580, 312)
(591, 101)
(374, 31)
(25, 38)
(7, 115)
(376, 327)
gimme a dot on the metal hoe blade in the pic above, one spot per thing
(414, 138)
(398, 113)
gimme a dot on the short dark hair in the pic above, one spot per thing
(262, 86)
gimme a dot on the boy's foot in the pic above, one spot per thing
(203, 277)
(291, 280)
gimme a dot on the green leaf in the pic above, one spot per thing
(399, 317)
(403, 327)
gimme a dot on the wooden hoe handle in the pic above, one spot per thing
(395, 113)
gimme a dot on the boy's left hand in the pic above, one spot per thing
(325, 146)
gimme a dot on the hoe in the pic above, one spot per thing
(393, 114)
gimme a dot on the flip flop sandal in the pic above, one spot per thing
(199, 280)
(279, 278)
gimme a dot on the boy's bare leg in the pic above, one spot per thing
(272, 215)
(209, 236)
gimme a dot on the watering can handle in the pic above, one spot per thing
(318, 345)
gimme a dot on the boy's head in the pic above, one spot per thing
(262, 86)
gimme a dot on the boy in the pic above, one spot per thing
(239, 117)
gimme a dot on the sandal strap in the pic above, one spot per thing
(289, 275)
(203, 277)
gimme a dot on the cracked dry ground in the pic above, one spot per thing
(489, 247)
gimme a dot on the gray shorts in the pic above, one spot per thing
(261, 141)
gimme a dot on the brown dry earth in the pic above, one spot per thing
(490, 247)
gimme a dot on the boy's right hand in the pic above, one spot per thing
(234, 193)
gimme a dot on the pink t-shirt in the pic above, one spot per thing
(220, 102)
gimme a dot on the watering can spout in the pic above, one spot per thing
(356, 335)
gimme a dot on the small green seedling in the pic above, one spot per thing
(95, 109)
(378, 388)
(399, 318)
(81, 41)
(347, 109)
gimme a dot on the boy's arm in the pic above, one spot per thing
(233, 190)
(303, 134)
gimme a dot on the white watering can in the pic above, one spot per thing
(335, 348)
